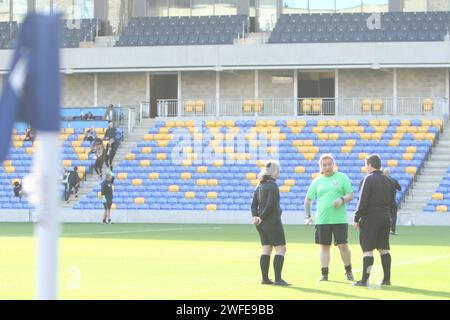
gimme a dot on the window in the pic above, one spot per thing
(438, 5)
(4, 10)
(348, 5)
(202, 7)
(225, 7)
(267, 15)
(84, 9)
(20, 8)
(375, 5)
(158, 8)
(178, 8)
(295, 6)
(43, 6)
(322, 6)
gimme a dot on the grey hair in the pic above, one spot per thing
(270, 168)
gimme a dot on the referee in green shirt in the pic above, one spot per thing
(332, 190)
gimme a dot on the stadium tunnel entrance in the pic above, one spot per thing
(162, 86)
(316, 85)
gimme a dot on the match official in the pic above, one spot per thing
(266, 214)
(397, 186)
(373, 218)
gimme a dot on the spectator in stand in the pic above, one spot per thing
(73, 182)
(99, 151)
(111, 114)
(88, 116)
(90, 135)
(110, 152)
(30, 135)
(18, 193)
(110, 132)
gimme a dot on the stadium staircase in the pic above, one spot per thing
(428, 180)
(130, 141)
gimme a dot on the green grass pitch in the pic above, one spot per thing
(174, 261)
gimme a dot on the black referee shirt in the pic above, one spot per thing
(376, 195)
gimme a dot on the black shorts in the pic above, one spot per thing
(107, 204)
(325, 233)
(271, 233)
(374, 232)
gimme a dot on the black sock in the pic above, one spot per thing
(325, 271)
(348, 268)
(386, 263)
(264, 263)
(367, 265)
(278, 266)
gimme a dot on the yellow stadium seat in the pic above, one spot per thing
(174, 188)
(83, 156)
(289, 182)
(353, 123)
(211, 207)
(271, 149)
(307, 105)
(346, 149)
(358, 129)
(18, 144)
(189, 195)
(374, 122)
(392, 163)
(411, 170)
(441, 208)
(333, 136)
(130, 156)
(427, 122)
(317, 105)
(377, 105)
(171, 124)
(161, 156)
(350, 142)
(412, 129)
(164, 130)
(79, 150)
(82, 169)
(186, 163)
(285, 189)
(153, 175)
(394, 143)
(323, 136)
(146, 149)
(211, 195)
(430, 136)
(99, 194)
(202, 182)
(408, 156)
(322, 123)
(363, 170)
(69, 130)
(437, 196)
(247, 105)
(405, 122)
(76, 143)
(365, 136)
(422, 129)
(80, 137)
(254, 182)
(427, 105)
(218, 163)
(376, 136)
(317, 129)
(122, 175)
(315, 175)
(349, 129)
(213, 182)
(67, 163)
(271, 123)
(136, 182)
(297, 143)
(342, 123)
(397, 135)
(384, 122)
(363, 155)
(10, 169)
(402, 129)
(309, 156)
(299, 169)
(148, 137)
(189, 105)
(139, 201)
(366, 105)
(7, 163)
(144, 163)
(199, 106)
(419, 136)
(258, 105)
(296, 130)
(381, 129)
(333, 123)
(411, 149)
(202, 169)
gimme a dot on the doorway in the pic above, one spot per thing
(317, 86)
(162, 86)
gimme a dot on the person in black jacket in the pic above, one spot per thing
(397, 186)
(107, 196)
(266, 214)
(73, 182)
(373, 218)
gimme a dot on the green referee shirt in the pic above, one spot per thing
(327, 190)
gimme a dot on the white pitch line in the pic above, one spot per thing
(137, 231)
(405, 263)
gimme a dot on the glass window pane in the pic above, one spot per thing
(415, 5)
(225, 7)
(19, 9)
(178, 8)
(438, 5)
(348, 5)
(4, 10)
(267, 15)
(83, 9)
(202, 7)
(375, 6)
(118, 11)
(321, 6)
(295, 6)
(43, 6)
(65, 7)
(158, 8)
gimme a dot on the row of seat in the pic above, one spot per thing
(440, 200)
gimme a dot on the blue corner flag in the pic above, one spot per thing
(31, 93)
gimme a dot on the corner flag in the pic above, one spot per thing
(32, 95)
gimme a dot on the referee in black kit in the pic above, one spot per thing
(373, 218)
(266, 214)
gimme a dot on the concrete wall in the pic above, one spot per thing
(237, 84)
(267, 89)
(124, 88)
(365, 83)
(77, 90)
(198, 84)
(421, 83)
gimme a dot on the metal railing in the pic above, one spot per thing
(355, 106)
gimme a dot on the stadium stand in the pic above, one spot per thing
(353, 27)
(74, 152)
(148, 179)
(440, 200)
(161, 31)
(73, 32)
